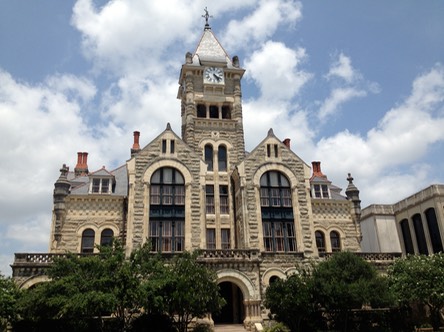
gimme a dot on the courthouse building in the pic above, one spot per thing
(254, 215)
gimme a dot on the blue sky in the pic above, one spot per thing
(358, 85)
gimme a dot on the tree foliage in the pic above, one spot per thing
(84, 288)
(190, 290)
(9, 295)
(291, 300)
(346, 282)
(420, 278)
(328, 295)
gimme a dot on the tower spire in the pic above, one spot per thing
(206, 16)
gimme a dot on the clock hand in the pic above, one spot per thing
(217, 77)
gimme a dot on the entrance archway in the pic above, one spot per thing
(233, 312)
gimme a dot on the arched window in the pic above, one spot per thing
(320, 241)
(87, 241)
(435, 235)
(277, 213)
(106, 238)
(407, 236)
(420, 235)
(335, 241)
(273, 279)
(222, 158)
(167, 210)
(209, 156)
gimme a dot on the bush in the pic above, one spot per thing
(279, 327)
(202, 327)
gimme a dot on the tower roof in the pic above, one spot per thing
(209, 51)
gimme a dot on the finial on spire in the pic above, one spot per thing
(207, 16)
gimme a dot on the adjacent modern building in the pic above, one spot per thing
(255, 216)
(414, 225)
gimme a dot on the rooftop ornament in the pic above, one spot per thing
(207, 16)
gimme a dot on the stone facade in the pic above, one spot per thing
(255, 216)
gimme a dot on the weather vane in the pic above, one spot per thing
(206, 16)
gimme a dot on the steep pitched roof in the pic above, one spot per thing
(210, 51)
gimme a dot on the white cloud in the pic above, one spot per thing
(338, 97)
(347, 84)
(262, 23)
(401, 138)
(132, 36)
(342, 68)
(275, 69)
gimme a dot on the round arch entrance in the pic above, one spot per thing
(233, 312)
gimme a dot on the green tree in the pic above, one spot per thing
(189, 290)
(345, 282)
(9, 295)
(291, 301)
(420, 278)
(85, 287)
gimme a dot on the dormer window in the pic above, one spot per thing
(320, 191)
(100, 186)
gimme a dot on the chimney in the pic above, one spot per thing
(136, 146)
(317, 169)
(82, 164)
(287, 142)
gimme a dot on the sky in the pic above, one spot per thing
(357, 85)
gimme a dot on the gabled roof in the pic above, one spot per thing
(101, 172)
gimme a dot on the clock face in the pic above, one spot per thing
(214, 75)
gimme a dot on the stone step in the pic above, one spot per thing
(229, 328)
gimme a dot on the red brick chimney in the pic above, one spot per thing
(82, 164)
(317, 169)
(136, 146)
(287, 142)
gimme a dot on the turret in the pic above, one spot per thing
(353, 196)
(61, 190)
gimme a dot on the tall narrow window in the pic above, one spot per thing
(335, 241)
(225, 238)
(407, 237)
(222, 158)
(172, 146)
(223, 199)
(435, 235)
(209, 198)
(214, 112)
(201, 111)
(164, 146)
(96, 185)
(226, 114)
(106, 238)
(420, 235)
(211, 238)
(209, 156)
(87, 245)
(167, 210)
(277, 213)
(320, 241)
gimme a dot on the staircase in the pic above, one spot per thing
(229, 328)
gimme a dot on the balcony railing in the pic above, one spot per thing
(31, 264)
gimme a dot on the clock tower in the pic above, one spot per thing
(211, 107)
